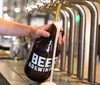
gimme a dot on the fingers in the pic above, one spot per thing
(45, 27)
(60, 40)
(64, 39)
(42, 33)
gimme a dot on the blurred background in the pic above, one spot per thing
(14, 48)
(14, 10)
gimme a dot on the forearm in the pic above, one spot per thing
(14, 29)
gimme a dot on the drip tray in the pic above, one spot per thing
(3, 80)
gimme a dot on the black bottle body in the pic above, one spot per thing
(38, 66)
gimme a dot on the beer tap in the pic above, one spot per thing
(93, 41)
(68, 10)
(81, 46)
(81, 42)
(71, 42)
(64, 47)
(51, 8)
(71, 13)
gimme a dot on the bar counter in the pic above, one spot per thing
(13, 71)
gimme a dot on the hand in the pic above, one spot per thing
(61, 39)
(41, 31)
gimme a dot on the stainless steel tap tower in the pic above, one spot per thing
(67, 13)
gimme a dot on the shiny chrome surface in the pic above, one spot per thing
(71, 41)
(93, 41)
(64, 47)
(81, 42)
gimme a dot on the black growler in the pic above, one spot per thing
(38, 66)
